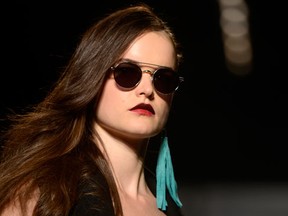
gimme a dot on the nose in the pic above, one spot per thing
(146, 86)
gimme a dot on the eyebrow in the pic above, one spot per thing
(143, 63)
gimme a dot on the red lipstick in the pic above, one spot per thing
(143, 109)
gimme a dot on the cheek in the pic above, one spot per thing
(164, 106)
(166, 101)
(108, 100)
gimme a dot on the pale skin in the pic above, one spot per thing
(126, 131)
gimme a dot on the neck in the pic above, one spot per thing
(126, 157)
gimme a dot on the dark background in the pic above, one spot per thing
(223, 127)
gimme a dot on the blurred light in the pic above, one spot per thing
(236, 36)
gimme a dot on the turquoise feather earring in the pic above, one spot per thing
(165, 176)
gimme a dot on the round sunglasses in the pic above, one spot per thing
(128, 74)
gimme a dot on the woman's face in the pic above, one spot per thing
(140, 112)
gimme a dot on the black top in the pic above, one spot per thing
(85, 206)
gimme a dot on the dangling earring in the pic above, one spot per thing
(165, 176)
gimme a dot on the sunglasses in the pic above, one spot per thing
(128, 74)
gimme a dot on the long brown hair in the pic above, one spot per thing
(51, 149)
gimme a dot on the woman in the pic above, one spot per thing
(82, 150)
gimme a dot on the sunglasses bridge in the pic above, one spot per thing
(149, 72)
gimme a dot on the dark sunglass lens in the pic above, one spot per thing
(166, 81)
(127, 75)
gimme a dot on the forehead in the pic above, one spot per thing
(152, 47)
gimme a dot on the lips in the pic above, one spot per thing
(145, 109)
